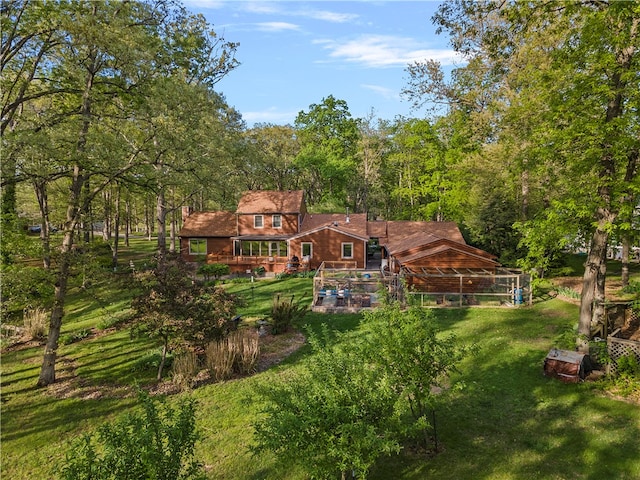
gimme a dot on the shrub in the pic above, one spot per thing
(627, 381)
(114, 320)
(151, 361)
(568, 292)
(25, 286)
(247, 350)
(285, 312)
(185, 368)
(154, 443)
(259, 271)
(566, 338)
(35, 322)
(74, 337)
(628, 365)
(632, 287)
(236, 354)
(219, 360)
(336, 415)
(215, 270)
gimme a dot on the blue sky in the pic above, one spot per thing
(295, 53)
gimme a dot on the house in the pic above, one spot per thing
(271, 229)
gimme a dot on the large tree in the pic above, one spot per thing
(271, 162)
(328, 138)
(560, 83)
(75, 76)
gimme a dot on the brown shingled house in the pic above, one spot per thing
(270, 228)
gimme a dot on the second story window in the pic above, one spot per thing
(276, 221)
(258, 221)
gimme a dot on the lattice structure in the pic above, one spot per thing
(619, 347)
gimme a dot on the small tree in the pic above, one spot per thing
(215, 270)
(174, 309)
(337, 416)
(155, 443)
(416, 361)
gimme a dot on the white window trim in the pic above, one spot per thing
(273, 217)
(344, 244)
(255, 218)
(191, 252)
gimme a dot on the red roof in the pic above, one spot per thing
(401, 245)
(357, 224)
(397, 229)
(209, 224)
(439, 248)
(268, 201)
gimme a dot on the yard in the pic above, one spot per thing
(508, 422)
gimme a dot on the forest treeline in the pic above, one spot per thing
(111, 116)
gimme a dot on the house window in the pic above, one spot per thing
(347, 250)
(258, 221)
(307, 249)
(276, 221)
(197, 246)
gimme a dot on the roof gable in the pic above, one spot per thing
(355, 227)
(356, 222)
(417, 240)
(267, 201)
(444, 248)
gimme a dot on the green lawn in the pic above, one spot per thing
(509, 422)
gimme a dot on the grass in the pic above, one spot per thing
(509, 422)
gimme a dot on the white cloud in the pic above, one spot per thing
(380, 51)
(259, 7)
(203, 3)
(384, 92)
(280, 8)
(270, 115)
(326, 15)
(276, 26)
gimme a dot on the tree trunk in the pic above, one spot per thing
(524, 209)
(599, 294)
(161, 214)
(78, 182)
(48, 370)
(116, 229)
(40, 187)
(173, 232)
(594, 266)
(106, 226)
(8, 202)
(165, 348)
(87, 222)
(127, 220)
(626, 247)
(148, 223)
